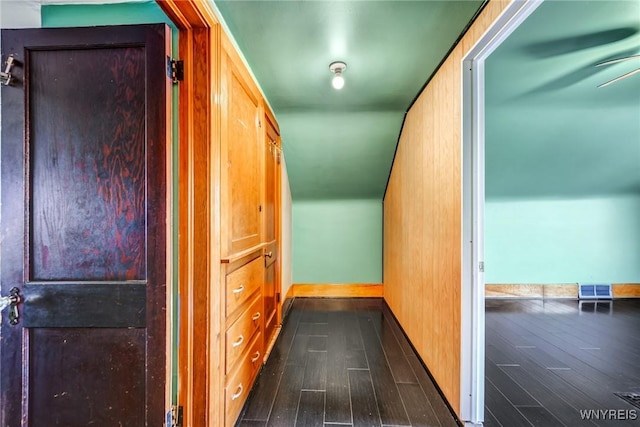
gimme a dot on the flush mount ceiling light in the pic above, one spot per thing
(337, 68)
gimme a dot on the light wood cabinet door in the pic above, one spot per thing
(244, 177)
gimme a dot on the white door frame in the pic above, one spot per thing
(473, 174)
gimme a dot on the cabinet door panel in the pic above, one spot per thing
(271, 159)
(244, 154)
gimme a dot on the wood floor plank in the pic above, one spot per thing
(285, 405)
(397, 330)
(549, 397)
(420, 414)
(430, 390)
(612, 359)
(504, 412)
(315, 372)
(363, 402)
(317, 343)
(299, 350)
(599, 355)
(338, 403)
(561, 333)
(570, 394)
(489, 419)
(314, 315)
(540, 417)
(594, 389)
(264, 390)
(402, 372)
(311, 409)
(352, 333)
(356, 359)
(320, 329)
(496, 354)
(598, 385)
(387, 395)
(517, 395)
(263, 393)
(251, 423)
(323, 340)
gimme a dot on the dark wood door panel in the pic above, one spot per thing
(83, 231)
(88, 164)
(89, 305)
(104, 368)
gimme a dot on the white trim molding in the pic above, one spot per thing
(473, 320)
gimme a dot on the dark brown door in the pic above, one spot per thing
(83, 227)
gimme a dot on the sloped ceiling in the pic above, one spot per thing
(550, 131)
(340, 144)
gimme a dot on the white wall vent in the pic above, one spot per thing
(594, 291)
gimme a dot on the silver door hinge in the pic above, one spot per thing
(174, 416)
(5, 76)
(175, 70)
(481, 266)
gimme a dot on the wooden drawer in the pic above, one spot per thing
(240, 382)
(240, 333)
(243, 282)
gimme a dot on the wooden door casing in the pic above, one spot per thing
(84, 214)
(271, 288)
(200, 369)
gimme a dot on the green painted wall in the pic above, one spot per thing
(563, 241)
(122, 14)
(337, 241)
(76, 15)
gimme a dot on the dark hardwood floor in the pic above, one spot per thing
(547, 360)
(346, 362)
(340, 362)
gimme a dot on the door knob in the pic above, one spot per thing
(12, 302)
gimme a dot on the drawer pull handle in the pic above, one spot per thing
(238, 290)
(239, 341)
(238, 393)
(256, 357)
(256, 316)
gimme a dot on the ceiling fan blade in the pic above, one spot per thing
(614, 61)
(624, 76)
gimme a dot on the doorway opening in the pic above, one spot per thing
(473, 295)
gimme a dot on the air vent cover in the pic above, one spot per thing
(595, 291)
(630, 397)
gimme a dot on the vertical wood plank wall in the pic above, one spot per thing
(423, 218)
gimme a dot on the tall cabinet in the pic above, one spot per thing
(249, 197)
(229, 222)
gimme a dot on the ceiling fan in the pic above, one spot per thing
(623, 76)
